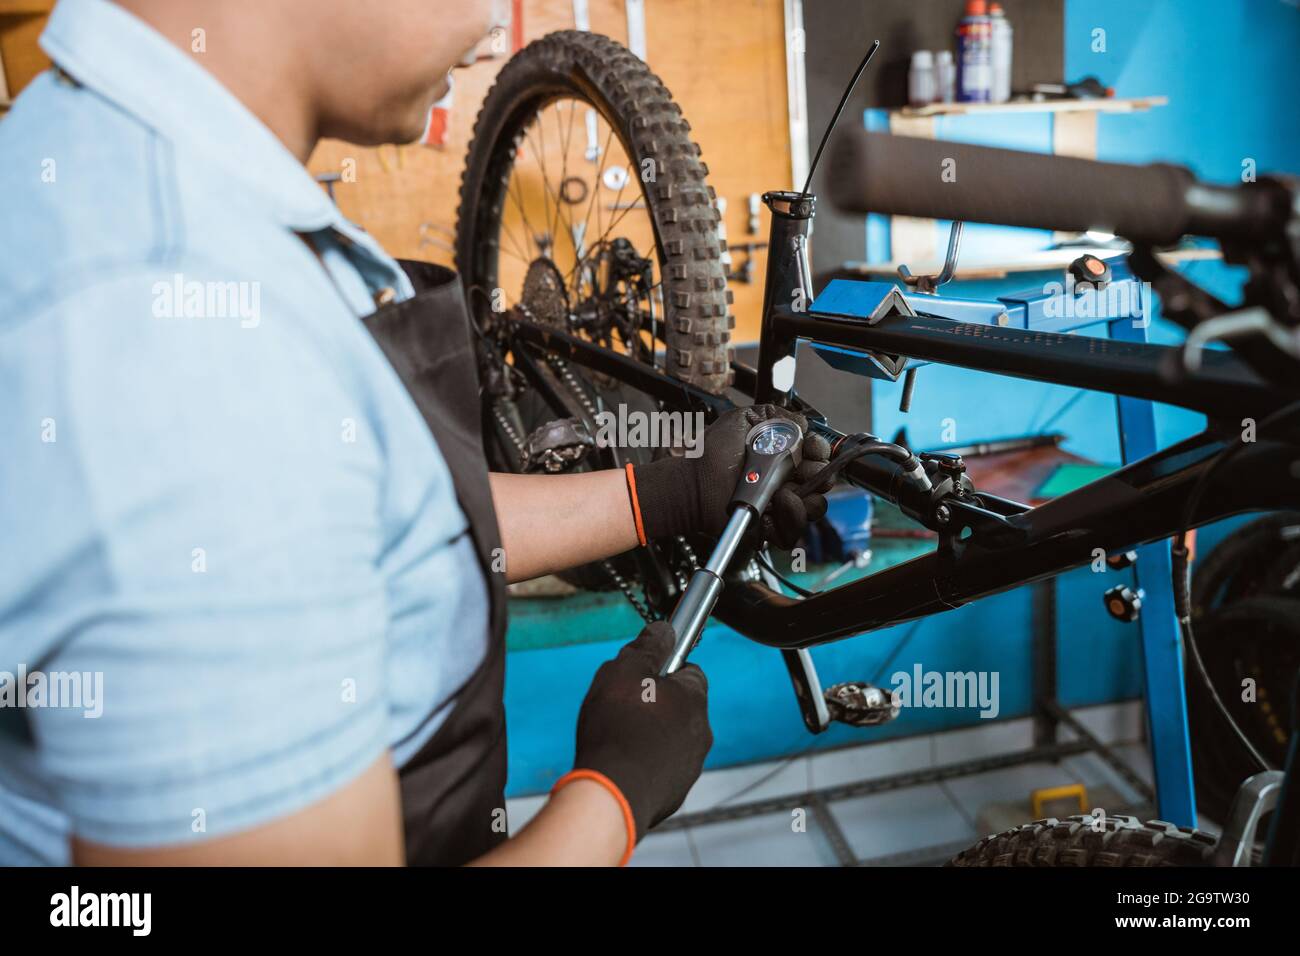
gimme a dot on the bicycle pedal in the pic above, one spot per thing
(860, 704)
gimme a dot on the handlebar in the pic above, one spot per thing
(1155, 204)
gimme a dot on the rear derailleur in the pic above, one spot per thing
(557, 446)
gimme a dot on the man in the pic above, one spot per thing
(256, 522)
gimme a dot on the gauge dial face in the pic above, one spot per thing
(775, 437)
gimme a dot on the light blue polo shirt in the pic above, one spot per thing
(218, 504)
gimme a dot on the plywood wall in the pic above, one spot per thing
(725, 65)
(21, 23)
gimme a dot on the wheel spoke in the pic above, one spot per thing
(549, 194)
(546, 192)
(516, 193)
(565, 141)
(595, 194)
(517, 252)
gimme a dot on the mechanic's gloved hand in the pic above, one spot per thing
(650, 739)
(685, 495)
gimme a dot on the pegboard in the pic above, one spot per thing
(725, 66)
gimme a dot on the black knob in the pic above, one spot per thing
(950, 466)
(1089, 271)
(1123, 603)
(1121, 559)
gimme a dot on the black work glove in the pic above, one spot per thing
(650, 739)
(687, 495)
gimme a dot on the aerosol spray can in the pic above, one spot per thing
(975, 54)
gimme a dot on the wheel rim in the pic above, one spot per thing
(548, 205)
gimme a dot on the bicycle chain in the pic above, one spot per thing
(565, 371)
(504, 422)
(647, 615)
(580, 393)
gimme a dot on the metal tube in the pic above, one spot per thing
(729, 542)
(690, 615)
(693, 610)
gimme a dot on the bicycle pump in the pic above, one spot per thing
(773, 450)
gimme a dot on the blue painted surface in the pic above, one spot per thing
(848, 512)
(1165, 693)
(852, 298)
(959, 405)
(1230, 71)
(1228, 68)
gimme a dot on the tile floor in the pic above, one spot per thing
(918, 825)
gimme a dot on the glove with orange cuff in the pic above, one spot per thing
(674, 496)
(643, 736)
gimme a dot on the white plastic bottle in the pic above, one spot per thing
(921, 79)
(945, 77)
(1001, 53)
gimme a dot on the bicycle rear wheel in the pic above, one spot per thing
(1076, 841)
(580, 162)
(1246, 625)
(584, 205)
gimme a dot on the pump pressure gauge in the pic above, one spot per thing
(774, 437)
(774, 448)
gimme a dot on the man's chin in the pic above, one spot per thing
(408, 129)
(414, 128)
(402, 125)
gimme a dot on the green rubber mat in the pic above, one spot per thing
(537, 623)
(1071, 475)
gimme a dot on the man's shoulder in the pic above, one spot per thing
(89, 191)
(76, 183)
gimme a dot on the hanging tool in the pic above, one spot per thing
(426, 229)
(745, 271)
(328, 180)
(593, 151)
(720, 204)
(774, 450)
(752, 224)
(636, 27)
(581, 15)
(383, 159)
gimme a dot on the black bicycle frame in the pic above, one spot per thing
(1142, 502)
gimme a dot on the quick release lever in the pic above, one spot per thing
(773, 451)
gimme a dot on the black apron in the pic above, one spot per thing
(453, 789)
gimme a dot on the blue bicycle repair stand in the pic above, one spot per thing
(1162, 653)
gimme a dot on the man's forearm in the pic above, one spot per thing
(553, 522)
(581, 825)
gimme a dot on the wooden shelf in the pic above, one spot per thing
(1106, 105)
(1048, 259)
